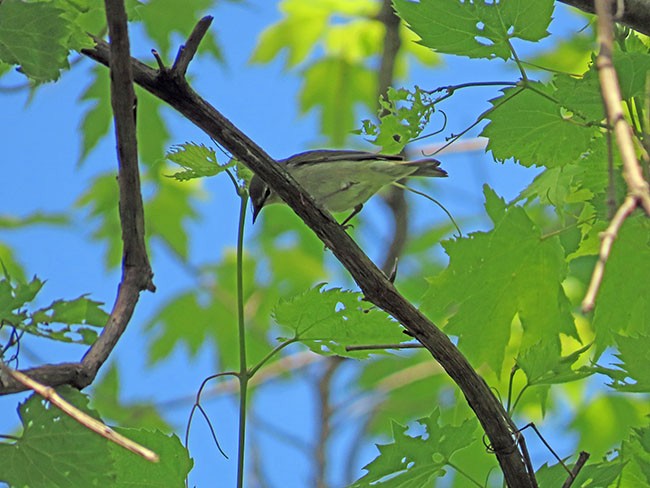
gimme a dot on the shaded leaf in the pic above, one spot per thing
(620, 308)
(54, 450)
(34, 36)
(496, 276)
(416, 461)
(136, 472)
(533, 130)
(329, 320)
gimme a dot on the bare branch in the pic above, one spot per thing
(188, 50)
(373, 283)
(582, 460)
(136, 271)
(82, 417)
(124, 104)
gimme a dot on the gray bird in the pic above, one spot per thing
(342, 180)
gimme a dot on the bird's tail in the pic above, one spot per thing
(427, 167)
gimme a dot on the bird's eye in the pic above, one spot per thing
(267, 194)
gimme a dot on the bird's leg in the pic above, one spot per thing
(356, 210)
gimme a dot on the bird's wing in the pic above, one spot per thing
(329, 155)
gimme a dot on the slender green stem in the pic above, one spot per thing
(429, 197)
(197, 405)
(566, 228)
(521, 393)
(516, 59)
(520, 65)
(243, 372)
(449, 90)
(510, 387)
(479, 119)
(639, 117)
(264, 360)
(587, 123)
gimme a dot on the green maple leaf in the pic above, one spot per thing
(495, 276)
(206, 315)
(329, 320)
(417, 461)
(136, 472)
(632, 70)
(403, 116)
(554, 186)
(634, 354)
(543, 367)
(106, 398)
(581, 94)
(593, 475)
(197, 160)
(62, 320)
(34, 36)
(305, 24)
(54, 450)
(476, 29)
(528, 126)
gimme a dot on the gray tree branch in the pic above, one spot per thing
(172, 88)
(136, 271)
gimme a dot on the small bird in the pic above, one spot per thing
(342, 180)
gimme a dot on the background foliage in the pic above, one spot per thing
(508, 289)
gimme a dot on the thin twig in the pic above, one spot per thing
(83, 418)
(188, 50)
(548, 446)
(272, 372)
(607, 239)
(582, 460)
(159, 60)
(375, 347)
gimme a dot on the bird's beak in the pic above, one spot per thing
(256, 212)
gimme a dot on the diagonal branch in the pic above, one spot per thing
(172, 88)
(80, 416)
(136, 271)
